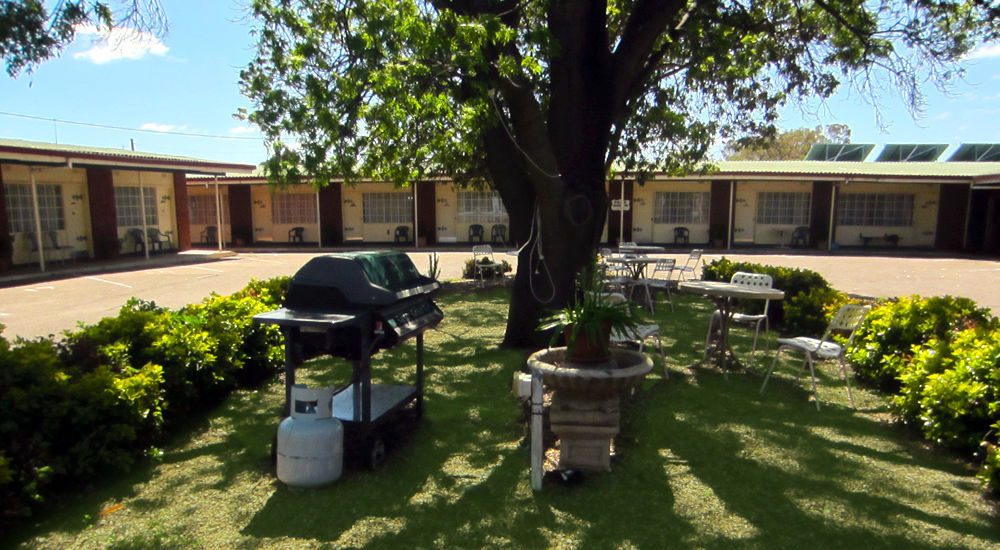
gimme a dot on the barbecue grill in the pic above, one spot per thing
(352, 306)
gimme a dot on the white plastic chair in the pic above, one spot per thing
(482, 256)
(653, 283)
(847, 320)
(752, 280)
(690, 268)
(638, 335)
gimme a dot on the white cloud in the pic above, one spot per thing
(985, 51)
(120, 43)
(242, 130)
(944, 115)
(154, 127)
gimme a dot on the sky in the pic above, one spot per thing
(178, 94)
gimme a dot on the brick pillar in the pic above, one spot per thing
(330, 215)
(183, 211)
(241, 215)
(103, 222)
(427, 211)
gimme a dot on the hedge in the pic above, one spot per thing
(108, 393)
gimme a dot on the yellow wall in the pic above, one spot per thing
(644, 202)
(353, 211)
(162, 184)
(74, 239)
(198, 233)
(745, 227)
(925, 211)
(446, 213)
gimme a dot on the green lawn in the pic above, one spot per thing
(703, 461)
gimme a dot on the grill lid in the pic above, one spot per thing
(357, 280)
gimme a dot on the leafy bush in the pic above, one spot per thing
(885, 344)
(108, 392)
(469, 270)
(809, 298)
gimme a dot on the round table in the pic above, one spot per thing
(723, 294)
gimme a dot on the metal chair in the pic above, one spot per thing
(475, 233)
(654, 283)
(847, 320)
(498, 234)
(800, 236)
(296, 234)
(682, 235)
(752, 280)
(402, 234)
(482, 257)
(690, 268)
(638, 335)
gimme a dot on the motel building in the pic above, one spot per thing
(851, 196)
(62, 203)
(65, 203)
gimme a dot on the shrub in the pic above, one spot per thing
(885, 344)
(108, 392)
(469, 270)
(809, 298)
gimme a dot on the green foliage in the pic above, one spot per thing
(469, 269)
(885, 343)
(788, 145)
(593, 315)
(809, 299)
(109, 392)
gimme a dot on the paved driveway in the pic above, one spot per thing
(49, 307)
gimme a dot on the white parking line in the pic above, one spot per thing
(100, 280)
(37, 288)
(204, 268)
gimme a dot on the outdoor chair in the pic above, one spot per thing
(138, 243)
(486, 265)
(296, 234)
(402, 234)
(690, 268)
(210, 235)
(847, 321)
(157, 238)
(638, 335)
(498, 234)
(682, 235)
(52, 248)
(752, 280)
(800, 236)
(475, 233)
(654, 283)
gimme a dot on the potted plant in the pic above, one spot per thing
(589, 319)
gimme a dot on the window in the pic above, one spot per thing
(783, 208)
(128, 208)
(202, 209)
(21, 214)
(482, 207)
(884, 209)
(681, 208)
(387, 207)
(293, 208)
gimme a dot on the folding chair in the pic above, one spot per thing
(690, 268)
(753, 280)
(638, 335)
(847, 320)
(482, 257)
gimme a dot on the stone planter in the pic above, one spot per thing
(585, 406)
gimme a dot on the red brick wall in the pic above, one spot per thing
(103, 223)
(183, 211)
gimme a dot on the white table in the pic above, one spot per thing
(723, 294)
(640, 249)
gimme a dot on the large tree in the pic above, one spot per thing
(31, 31)
(787, 145)
(543, 99)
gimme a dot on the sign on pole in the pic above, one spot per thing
(620, 205)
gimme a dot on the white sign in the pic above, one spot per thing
(620, 205)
